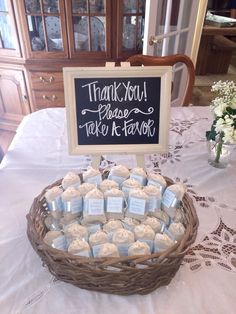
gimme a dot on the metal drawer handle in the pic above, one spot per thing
(53, 98)
(45, 80)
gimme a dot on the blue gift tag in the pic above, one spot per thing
(169, 199)
(114, 204)
(137, 205)
(56, 204)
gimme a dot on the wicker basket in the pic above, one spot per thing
(123, 276)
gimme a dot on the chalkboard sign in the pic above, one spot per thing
(117, 110)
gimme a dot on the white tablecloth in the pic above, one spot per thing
(38, 155)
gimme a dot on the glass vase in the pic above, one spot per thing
(218, 153)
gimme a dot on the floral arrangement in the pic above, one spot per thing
(223, 129)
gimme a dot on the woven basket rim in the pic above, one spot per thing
(114, 275)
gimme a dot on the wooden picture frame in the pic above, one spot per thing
(114, 110)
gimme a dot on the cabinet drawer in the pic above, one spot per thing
(46, 80)
(45, 99)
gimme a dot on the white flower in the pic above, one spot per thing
(219, 109)
(219, 125)
(222, 105)
(233, 104)
(229, 136)
(224, 88)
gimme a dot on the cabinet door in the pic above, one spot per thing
(44, 28)
(130, 28)
(9, 44)
(89, 29)
(14, 103)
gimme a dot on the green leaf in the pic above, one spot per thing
(230, 111)
(211, 135)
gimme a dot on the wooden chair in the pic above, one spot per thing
(169, 60)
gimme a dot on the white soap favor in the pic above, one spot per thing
(71, 179)
(94, 207)
(162, 242)
(99, 237)
(157, 180)
(154, 223)
(93, 176)
(154, 199)
(84, 188)
(139, 248)
(123, 238)
(139, 174)
(172, 198)
(130, 223)
(52, 223)
(137, 204)
(162, 215)
(72, 203)
(75, 231)
(96, 240)
(179, 216)
(111, 226)
(145, 233)
(119, 174)
(114, 204)
(107, 185)
(91, 227)
(79, 247)
(129, 185)
(53, 198)
(108, 250)
(176, 230)
(56, 239)
(66, 221)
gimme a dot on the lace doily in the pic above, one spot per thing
(217, 248)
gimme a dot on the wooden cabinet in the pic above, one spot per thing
(14, 100)
(86, 31)
(47, 89)
(49, 35)
(14, 104)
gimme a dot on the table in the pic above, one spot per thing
(206, 281)
(220, 62)
(213, 30)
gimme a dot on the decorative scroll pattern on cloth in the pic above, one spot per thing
(179, 126)
(217, 248)
(155, 161)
